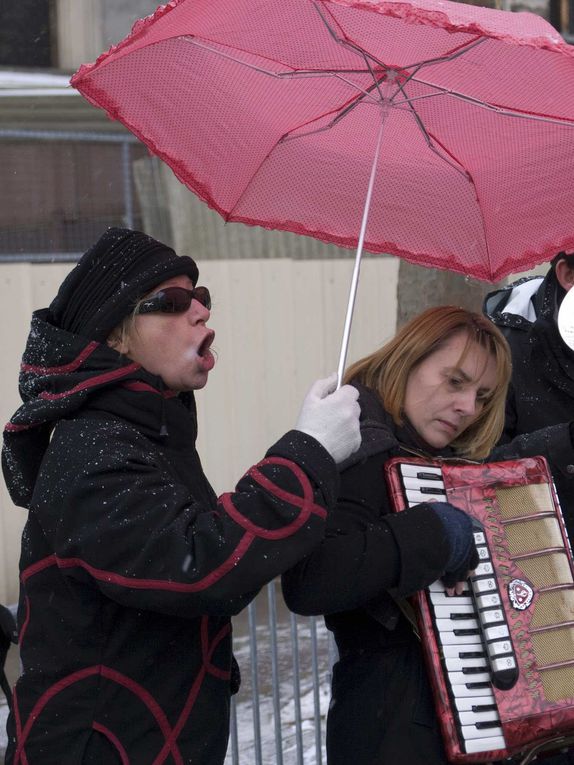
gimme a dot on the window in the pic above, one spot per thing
(27, 33)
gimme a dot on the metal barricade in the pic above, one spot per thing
(278, 716)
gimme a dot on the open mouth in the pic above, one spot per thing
(205, 344)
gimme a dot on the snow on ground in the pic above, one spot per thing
(3, 718)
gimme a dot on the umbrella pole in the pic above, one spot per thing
(359, 253)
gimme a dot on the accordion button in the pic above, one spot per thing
(570, 469)
(494, 633)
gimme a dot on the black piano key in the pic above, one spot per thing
(477, 685)
(473, 670)
(487, 724)
(484, 708)
(432, 490)
(429, 477)
(466, 632)
(471, 654)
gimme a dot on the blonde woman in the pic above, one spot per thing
(131, 568)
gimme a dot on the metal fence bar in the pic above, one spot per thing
(275, 673)
(123, 140)
(67, 135)
(252, 611)
(128, 188)
(316, 694)
(40, 257)
(297, 689)
(233, 733)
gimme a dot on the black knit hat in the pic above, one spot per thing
(121, 267)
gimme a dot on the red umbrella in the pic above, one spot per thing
(433, 130)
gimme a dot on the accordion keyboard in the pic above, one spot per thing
(472, 638)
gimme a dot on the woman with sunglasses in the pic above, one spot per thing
(131, 567)
(437, 389)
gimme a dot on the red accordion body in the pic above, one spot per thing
(522, 597)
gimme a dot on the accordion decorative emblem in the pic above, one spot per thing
(501, 656)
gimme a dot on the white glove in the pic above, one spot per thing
(332, 418)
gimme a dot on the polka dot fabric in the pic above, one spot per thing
(269, 110)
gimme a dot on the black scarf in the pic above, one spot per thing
(60, 371)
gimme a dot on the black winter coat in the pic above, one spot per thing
(540, 402)
(130, 567)
(381, 710)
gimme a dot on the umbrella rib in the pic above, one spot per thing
(459, 167)
(465, 48)
(294, 73)
(505, 111)
(303, 73)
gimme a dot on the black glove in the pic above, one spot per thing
(463, 554)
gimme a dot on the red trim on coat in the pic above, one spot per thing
(207, 651)
(92, 382)
(70, 367)
(113, 675)
(11, 428)
(305, 503)
(113, 739)
(143, 584)
(141, 387)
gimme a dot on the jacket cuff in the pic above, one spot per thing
(313, 458)
(562, 450)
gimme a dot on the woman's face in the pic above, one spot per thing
(175, 346)
(444, 394)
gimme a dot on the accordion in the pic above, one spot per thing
(501, 655)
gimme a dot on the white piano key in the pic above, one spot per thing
(468, 703)
(500, 647)
(448, 637)
(415, 470)
(496, 632)
(456, 664)
(491, 744)
(445, 611)
(463, 691)
(489, 600)
(471, 718)
(502, 663)
(461, 678)
(472, 733)
(416, 497)
(483, 585)
(454, 651)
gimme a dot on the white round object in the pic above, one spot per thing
(566, 319)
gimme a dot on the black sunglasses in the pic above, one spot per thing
(175, 300)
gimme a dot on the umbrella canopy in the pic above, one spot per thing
(273, 112)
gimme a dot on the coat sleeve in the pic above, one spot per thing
(118, 521)
(553, 442)
(367, 550)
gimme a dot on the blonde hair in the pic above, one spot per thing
(387, 370)
(120, 335)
